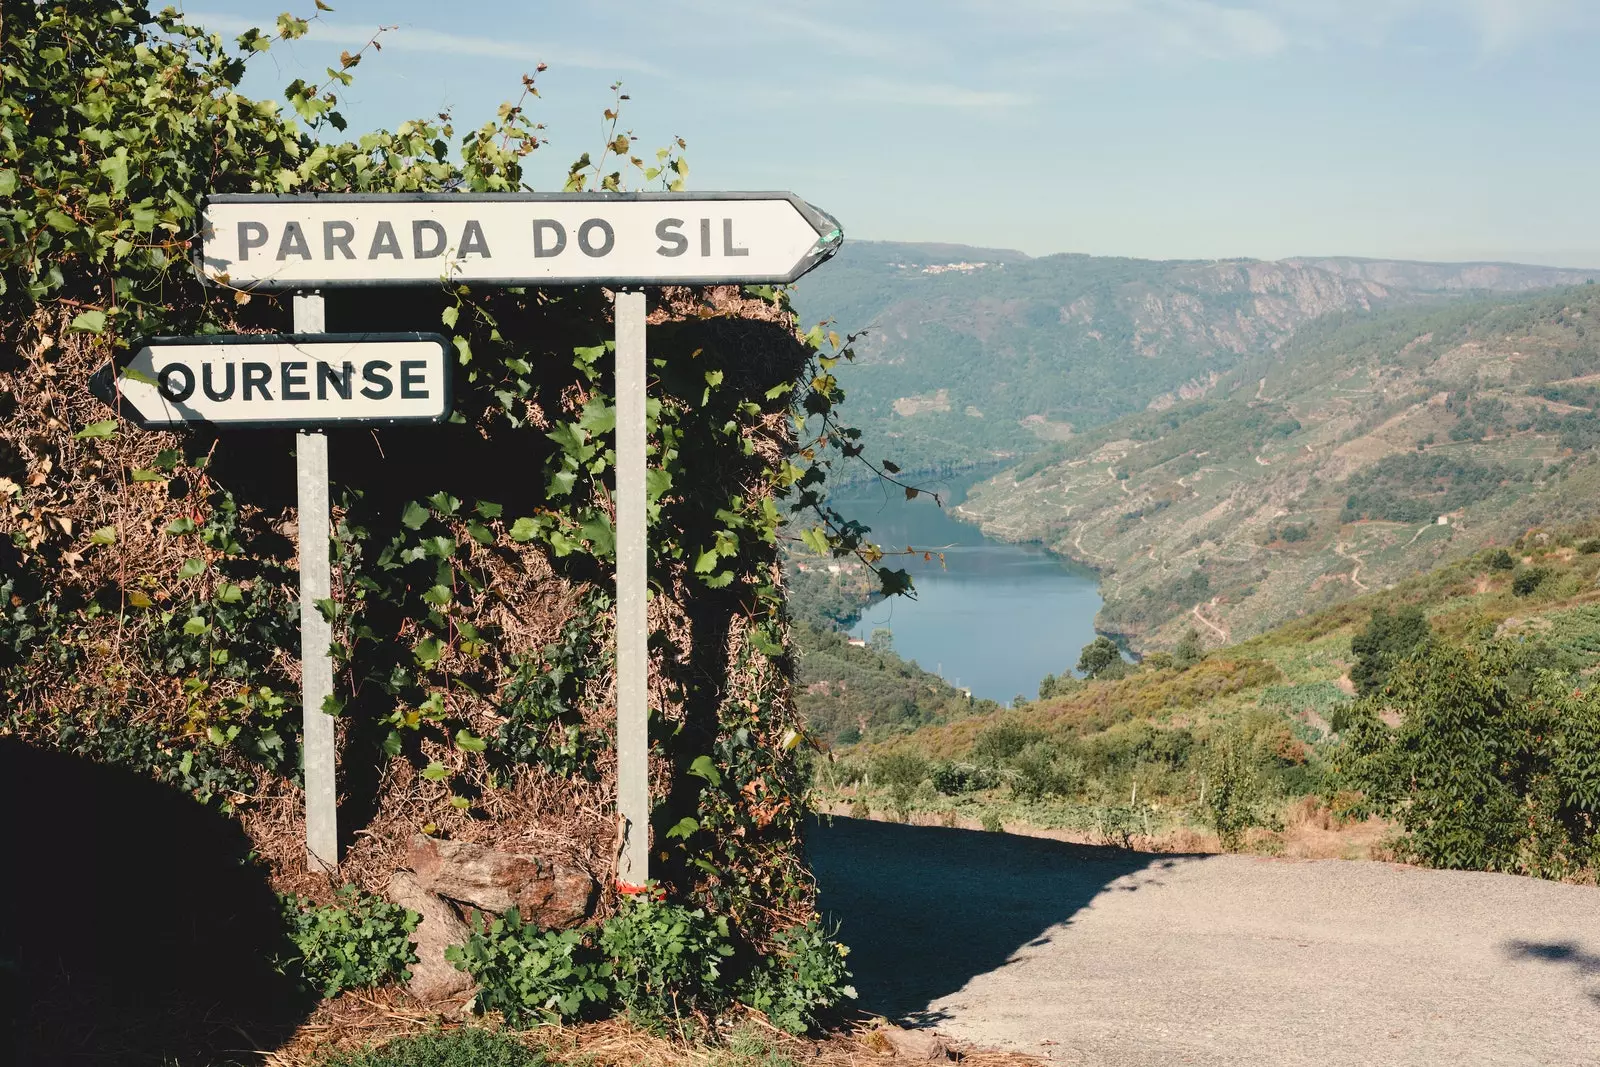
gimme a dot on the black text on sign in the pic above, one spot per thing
(317, 242)
(287, 381)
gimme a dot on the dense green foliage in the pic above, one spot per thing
(801, 980)
(358, 942)
(656, 960)
(666, 959)
(1100, 658)
(1495, 764)
(1387, 639)
(531, 975)
(1413, 488)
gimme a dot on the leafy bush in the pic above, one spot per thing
(991, 822)
(1489, 769)
(1234, 787)
(1000, 741)
(468, 1046)
(1190, 650)
(1528, 580)
(1501, 560)
(953, 779)
(361, 941)
(901, 773)
(804, 977)
(1386, 640)
(665, 959)
(1042, 770)
(531, 975)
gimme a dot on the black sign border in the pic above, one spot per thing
(103, 383)
(819, 220)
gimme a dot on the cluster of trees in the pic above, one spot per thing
(1414, 488)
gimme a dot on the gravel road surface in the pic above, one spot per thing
(1099, 956)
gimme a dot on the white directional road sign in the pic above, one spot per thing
(317, 241)
(266, 380)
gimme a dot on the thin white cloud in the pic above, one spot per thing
(922, 94)
(413, 38)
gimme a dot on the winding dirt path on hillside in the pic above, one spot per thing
(1103, 957)
(1220, 631)
(1355, 573)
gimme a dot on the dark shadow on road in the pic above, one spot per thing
(924, 909)
(1569, 953)
(135, 929)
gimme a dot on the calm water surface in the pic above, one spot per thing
(996, 617)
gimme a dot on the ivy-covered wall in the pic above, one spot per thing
(148, 610)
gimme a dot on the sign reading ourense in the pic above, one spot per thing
(271, 380)
(315, 241)
(308, 242)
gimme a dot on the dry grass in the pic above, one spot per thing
(357, 1021)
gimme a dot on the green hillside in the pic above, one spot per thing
(1363, 450)
(976, 354)
(1457, 709)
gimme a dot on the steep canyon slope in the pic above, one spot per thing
(977, 355)
(1362, 450)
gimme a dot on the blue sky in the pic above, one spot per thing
(1427, 129)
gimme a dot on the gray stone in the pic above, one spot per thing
(433, 978)
(546, 892)
(916, 1044)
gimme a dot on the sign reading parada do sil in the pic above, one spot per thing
(263, 380)
(318, 241)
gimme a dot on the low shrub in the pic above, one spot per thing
(531, 975)
(1528, 580)
(802, 979)
(1233, 792)
(667, 959)
(999, 741)
(468, 1046)
(1043, 769)
(358, 942)
(954, 779)
(901, 773)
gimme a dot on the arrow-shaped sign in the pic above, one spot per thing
(318, 240)
(275, 380)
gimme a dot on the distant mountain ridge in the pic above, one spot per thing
(1448, 277)
(982, 354)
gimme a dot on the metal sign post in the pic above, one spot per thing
(316, 635)
(309, 379)
(315, 241)
(633, 590)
